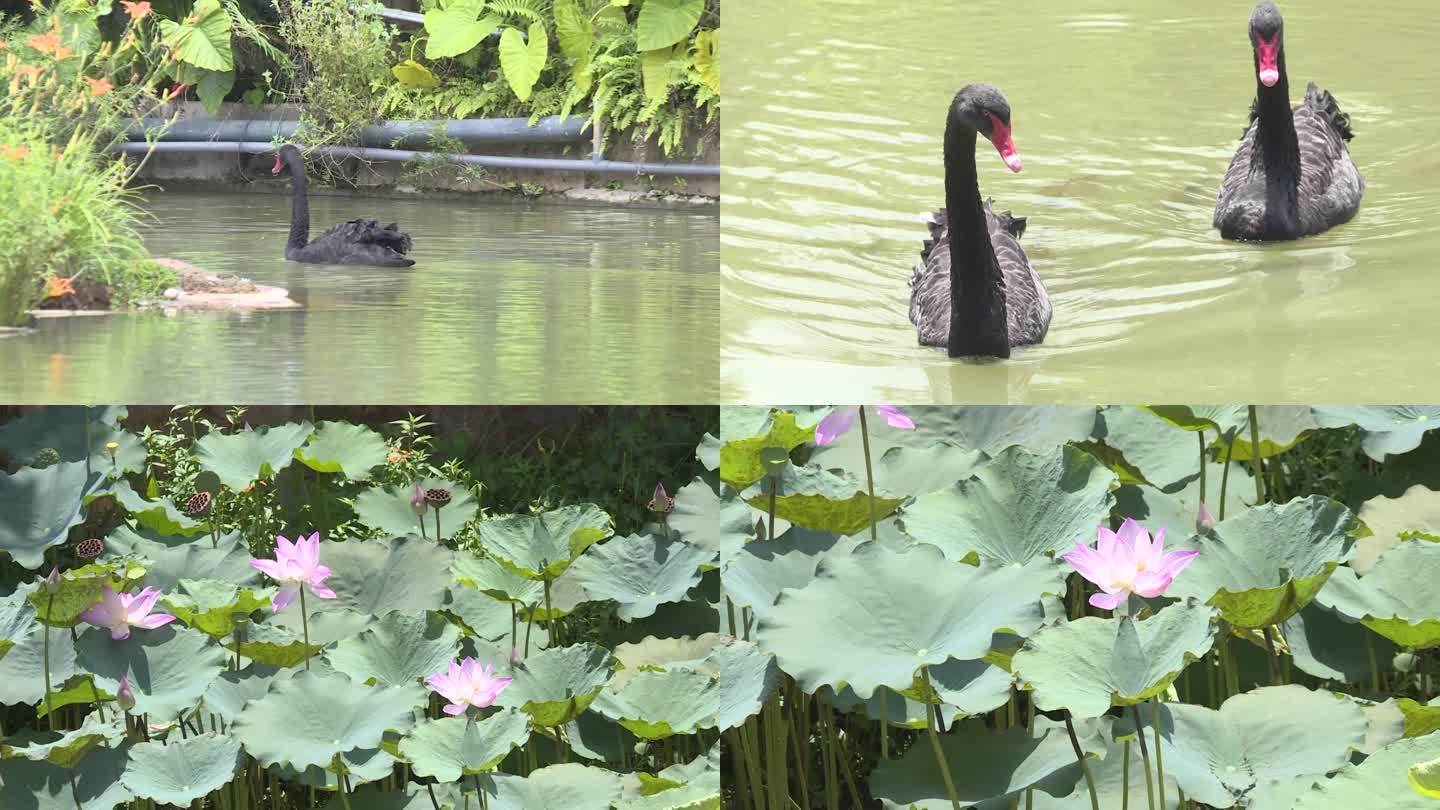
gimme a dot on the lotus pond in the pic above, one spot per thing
(1057, 607)
(201, 613)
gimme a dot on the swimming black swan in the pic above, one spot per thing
(359, 241)
(993, 299)
(1292, 175)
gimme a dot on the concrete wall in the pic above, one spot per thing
(230, 170)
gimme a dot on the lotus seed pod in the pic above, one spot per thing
(437, 497)
(774, 460)
(90, 548)
(198, 504)
(112, 448)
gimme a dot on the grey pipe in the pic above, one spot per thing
(415, 18)
(550, 129)
(490, 161)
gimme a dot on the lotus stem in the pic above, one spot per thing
(340, 782)
(774, 488)
(1273, 658)
(305, 627)
(74, 791)
(1144, 757)
(884, 722)
(869, 471)
(933, 728)
(50, 715)
(1225, 471)
(1201, 434)
(529, 622)
(435, 803)
(1374, 666)
(549, 614)
(484, 803)
(438, 536)
(1159, 751)
(1125, 777)
(1030, 730)
(1084, 763)
(1255, 457)
(832, 770)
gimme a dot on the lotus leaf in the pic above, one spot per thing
(482, 617)
(1327, 646)
(17, 618)
(1382, 780)
(736, 524)
(1419, 719)
(1389, 429)
(378, 576)
(273, 645)
(388, 509)
(79, 691)
(1390, 520)
(1016, 507)
(26, 785)
(68, 748)
(452, 747)
(640, 572)
(693, 785)
(361, 765)
(899, 711)
(757, 574)
(1264, 564)
(1397, 598)
(229, 693)
(571, 786)
(903, 470)
(79, 589)
(543, 546)
(745, 432)
(39, 507)
(311, 717)
(875, 616)
(168, 560)
(987, 766)
(1115, 786)
(398, 649)
(169, 668)
(159, 515)
(1145, 448)
(240, 459)
(656, 704)
(181, 771)
(987, 428)
(671, 620)
(22, 668)
(212, 606)
(340, 447)
(558, 684)
(697, 517)
(594, 736)
(1266, 735)
(488, 576)
(748, 677)
(825, 500)
(1090, 664)
(697, 653)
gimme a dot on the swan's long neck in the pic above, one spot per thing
(977, 287)
(300, 206)
(1275, 136)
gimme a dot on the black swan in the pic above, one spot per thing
(1292, 175)
(991, 299)
(359, 241)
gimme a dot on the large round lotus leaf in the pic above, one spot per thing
(1144, 448)
(1175, 512)
(26, 785)
(1329, 647)
(488, 576)
(64, 429)
(17, 618)
(454, 746)
(571, 786)
(1264, 564)
(1389, 429)
(696, 517)
(640, 572)
(899, 711)
(160, 515)
(212, 606)
(482, 617)
(388, 509)
(1090, 664)
(985, 765)
(239, 459)
(693, 785)
(820, 499)
(972, 687)
(1016, 507)
(745, 431)
(757, 574)
(875, 616)
(398, 649)
(697, 653)
(902, 470)
(169, 668)
(1215, 418)
(1418, 719)
(1281, 427)
(38, 508)
(361, 765)
(736, 524)
(64, 749)
(1397, 599)
(1416, 514)
(695, 615)
(79, 589)
(1111, 784)
(340, 447)
(543, 546)
(657, 704)
(594, 736)
(1271, 734)
(407, 574)
(169, 559)
(229, 693)
(1382, 780)
(1425, 778)
(22, 669)
(556, 685)
(272, 644)
(986, 428)
(181, 771)
(748, 678)
(311, 717)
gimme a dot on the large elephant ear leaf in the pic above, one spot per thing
(310, 718)
(640, 572)
(1090, 664)
(240, 459)
(452, 747)
(1397, 598)
(543, 546)
(203, 38)
(39, 507)
(555, 686)
(1016, 507)
(399, 649)
(873, 617)
(180, 771)
(1263, 565)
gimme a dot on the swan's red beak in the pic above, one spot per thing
(1267, 54)
(1000, 136)
(276, 169)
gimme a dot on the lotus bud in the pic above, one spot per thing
(417, 500)
(515, 656)
(125, 696)
(660, 502)
(52, 582)
(1204, 521)
(760, 528)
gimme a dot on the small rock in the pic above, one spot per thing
(173, 292)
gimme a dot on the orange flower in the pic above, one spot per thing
(136, 10)
(58, 288)
(15, 152)
(32, 71)
(44, 43)
(62, 52)
(99, 87)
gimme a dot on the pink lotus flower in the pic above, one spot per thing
(119, 612)
(296, 565)
(125, 696)
(1126, 562)
(467, 684)
(840, 420)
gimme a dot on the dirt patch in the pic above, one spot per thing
(203, 290)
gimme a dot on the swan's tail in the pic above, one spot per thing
(1325, 104)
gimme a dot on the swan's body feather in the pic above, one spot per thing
(359, 241)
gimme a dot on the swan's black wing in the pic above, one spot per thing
(361, 241)
(1330, 185)
(930, 285)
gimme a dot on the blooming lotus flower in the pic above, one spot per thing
(1127, 562)
(296, 565)
(119, 612)
(467, 684)
(840, 420)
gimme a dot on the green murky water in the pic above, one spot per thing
(508, 302)
(1126, 115)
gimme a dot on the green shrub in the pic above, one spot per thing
(342, 59)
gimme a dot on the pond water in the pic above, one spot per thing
(1126, 115)
(508, 301)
